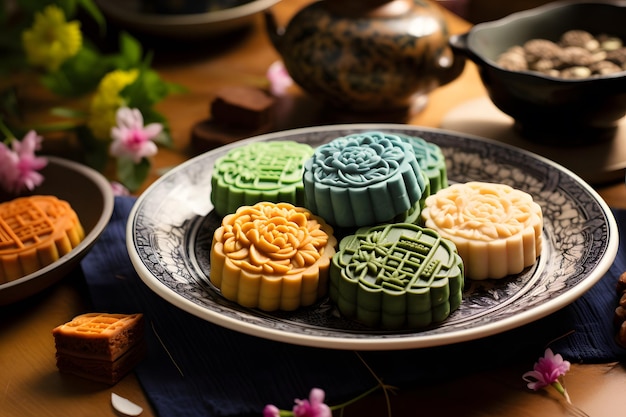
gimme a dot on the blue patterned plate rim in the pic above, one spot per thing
(170, 228)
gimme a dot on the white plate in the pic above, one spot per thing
(169, 237)
(182, 26)
(91, 197)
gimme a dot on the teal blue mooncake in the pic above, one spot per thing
(363, 179)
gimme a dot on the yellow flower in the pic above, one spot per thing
(51, 40)
(107, 100)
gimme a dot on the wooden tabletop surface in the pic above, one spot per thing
(31, 385)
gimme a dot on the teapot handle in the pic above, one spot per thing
(274, 32)
(451, 64)
(459, 45)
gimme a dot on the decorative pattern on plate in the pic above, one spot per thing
(396, 276)
(272, 256)
(261, 171)
(362, 179)
(170, 234)
(496, 228)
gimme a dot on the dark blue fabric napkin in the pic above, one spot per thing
(195, 368)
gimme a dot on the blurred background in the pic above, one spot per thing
(477, 11)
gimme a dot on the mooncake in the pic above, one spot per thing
(396, 276)
(272, 256)
(431, 159)
(497, 229)
(259, 171)
(100, 346)
(363, 179)
(35, 231)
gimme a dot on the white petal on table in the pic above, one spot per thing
(125, 406)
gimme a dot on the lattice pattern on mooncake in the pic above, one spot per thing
(99, 335)
(260, 171)
(396, 276)
(34, 232)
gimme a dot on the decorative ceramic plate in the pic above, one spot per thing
(91, 197)
(171, 227)
(190, 26)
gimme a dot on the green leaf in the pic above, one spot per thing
(9, 106)
(132, 175)
(95, 13)
(147, 90)
(78, 75)
(67, 112)
(68, 6)
(96, 152)
(130, 50)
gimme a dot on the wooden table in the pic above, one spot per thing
(31, 385)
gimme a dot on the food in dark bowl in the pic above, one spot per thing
(548, 107)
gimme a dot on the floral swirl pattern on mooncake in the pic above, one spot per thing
(431, 159)
(259, 171)
(362, 179)
(496, 228)
(396, 276)
(273, 256)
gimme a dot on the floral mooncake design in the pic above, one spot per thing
(272, 256)
(496, 228)
(431, 159)
(396, 276)
(362, 179)
(259, 171)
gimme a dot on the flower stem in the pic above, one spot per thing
(355, 399)
(385, 387)
(8, 135)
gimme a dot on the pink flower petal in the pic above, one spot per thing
(131, 139)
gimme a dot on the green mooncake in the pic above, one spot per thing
(259, 171)
(396, 276)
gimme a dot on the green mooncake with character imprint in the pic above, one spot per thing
(396, 276)
(363, 179)
(259, 171)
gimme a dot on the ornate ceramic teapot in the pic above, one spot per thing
(364, 55)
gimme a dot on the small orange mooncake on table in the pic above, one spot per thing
(272, 256)
(35, 231)
(103, 347)
(495, 227)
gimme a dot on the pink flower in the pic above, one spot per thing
(546, 371)
(119, 189)
(19, 166)
(313, 407)
(271, 411)
(131, 138)
(279, 78)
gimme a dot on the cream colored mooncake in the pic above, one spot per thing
(497, 229)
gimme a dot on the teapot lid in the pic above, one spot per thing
(371, 8)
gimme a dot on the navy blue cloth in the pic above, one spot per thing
(195, 368)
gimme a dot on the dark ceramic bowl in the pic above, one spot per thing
(91, 196)
(184, 24)
(548, 109)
